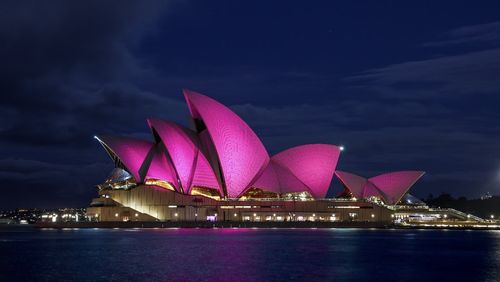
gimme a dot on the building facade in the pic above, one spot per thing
(220, 171)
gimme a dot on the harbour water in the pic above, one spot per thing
(248, 255)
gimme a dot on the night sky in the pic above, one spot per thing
(401, 86)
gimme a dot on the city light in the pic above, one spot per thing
(342, 148)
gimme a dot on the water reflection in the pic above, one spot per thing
(237, 254)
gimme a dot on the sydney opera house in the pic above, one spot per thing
(219, 170)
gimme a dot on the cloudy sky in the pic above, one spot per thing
(401, 86)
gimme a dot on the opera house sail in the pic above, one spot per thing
(219, 170)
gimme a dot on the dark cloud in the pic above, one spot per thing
(67, 73)
(73, 70)
(32, 183)
(483, 33)
(474, 73)
(438, 114)
(59, 59)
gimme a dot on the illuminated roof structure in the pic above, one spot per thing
(240, 153)
(127, 153)
(224, 158)
(307, 168)
(183, 146)
(390, 187)
(160, 167)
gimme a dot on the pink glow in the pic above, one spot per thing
(395, 184)
(131, 152)
(390, 186)
(371, 190)
(278, 179)
(354, 183)
(204, 175)
(181, 146)
(228, 153)
(240, 152)
(161, 168)
(268, 180)
(189, 162)
(312, 164)
(289, 182)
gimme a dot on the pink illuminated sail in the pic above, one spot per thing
(182, 146)
(278, 179)
(354, 183)
(312, 164)
(389, 187)
(130, 152)
(161, 168)
(240, 153)
(395, 184)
